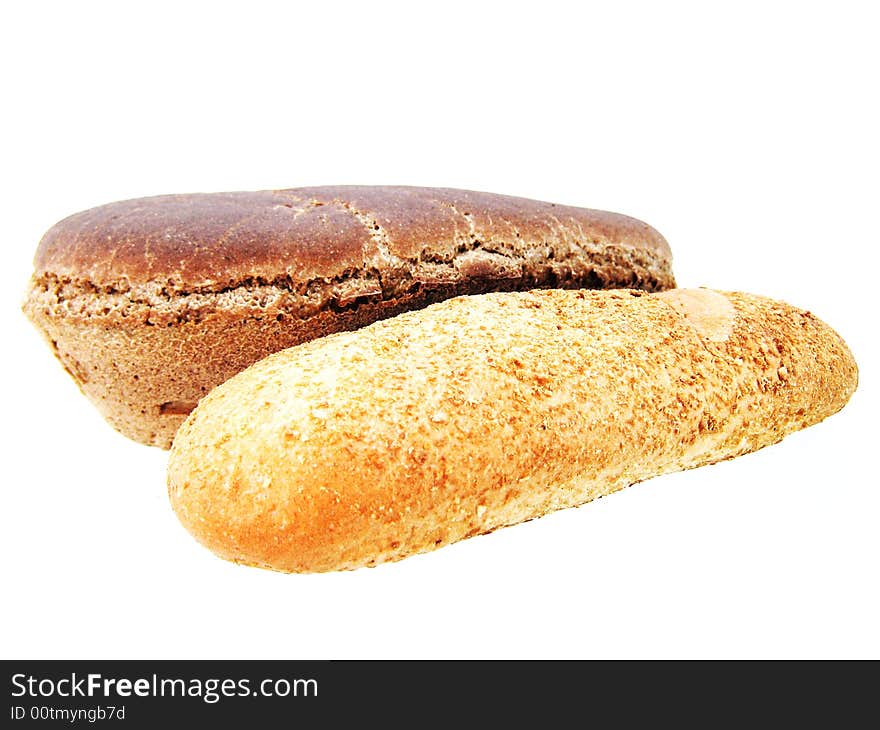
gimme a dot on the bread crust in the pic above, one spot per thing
(485, 411)
(210, 242)
(150, 303)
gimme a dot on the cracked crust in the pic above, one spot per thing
(214, 241)
(150, 303)
(481, 412)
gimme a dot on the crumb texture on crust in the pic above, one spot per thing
(151, 303)
(480, 412)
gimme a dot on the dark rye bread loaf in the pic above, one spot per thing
(151, 303)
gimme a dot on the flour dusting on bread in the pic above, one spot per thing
(709, 312)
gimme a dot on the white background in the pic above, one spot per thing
(748, 136)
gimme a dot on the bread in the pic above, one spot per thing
(150, 303)
(485, 411)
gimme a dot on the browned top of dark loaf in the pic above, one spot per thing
(220, 239)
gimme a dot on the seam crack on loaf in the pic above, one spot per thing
(484, 411)
(382, 256)
(161, 299)
(69, 296)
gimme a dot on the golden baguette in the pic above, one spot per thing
(485, 411)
